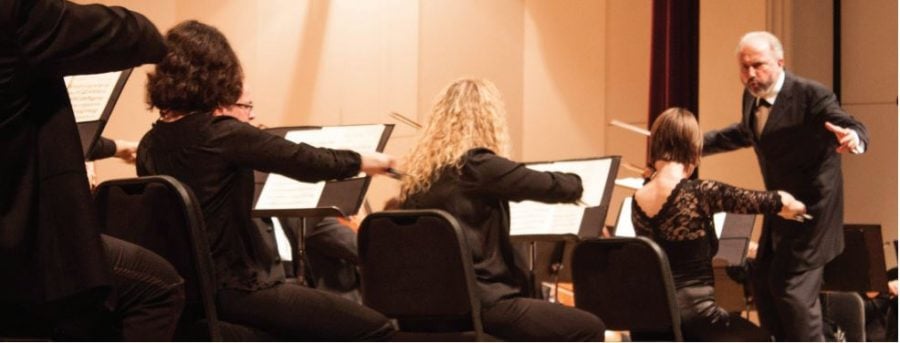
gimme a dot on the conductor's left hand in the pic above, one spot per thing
(847, 138)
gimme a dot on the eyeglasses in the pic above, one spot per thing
(246, 106)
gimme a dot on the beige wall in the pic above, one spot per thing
(565, 69)
(869, 92)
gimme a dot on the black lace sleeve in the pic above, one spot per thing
(721, 197)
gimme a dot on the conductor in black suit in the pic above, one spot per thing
(797, 129)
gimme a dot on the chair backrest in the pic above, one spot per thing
(416, 267)
(628, 283)
(161, 214)
(848, 312)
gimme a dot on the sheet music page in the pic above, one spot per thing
(719, 223)
(530, 218)
(283, 193)
(535, 218)
(281, 241)
(359, 138)
(90, 94)
(593, 173)
(624, 226)
(633, 183)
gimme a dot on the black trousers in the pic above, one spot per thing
(295, 312)
(527, 319)
(703, 320)
(144, 305)
(148, 294)
(331, 252)
(788, 301)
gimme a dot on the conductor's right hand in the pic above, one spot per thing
(791, 208)
(375, 163)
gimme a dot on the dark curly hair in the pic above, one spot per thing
(199, 74)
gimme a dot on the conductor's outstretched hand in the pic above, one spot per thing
(847, 138)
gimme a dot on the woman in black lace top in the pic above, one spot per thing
(677, 212)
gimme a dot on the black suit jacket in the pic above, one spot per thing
(50, 247)
(797, 154)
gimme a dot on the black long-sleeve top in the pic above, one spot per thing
(215, 157)
(50, 246)
(683, 227)
(478, 196)
(104, 148)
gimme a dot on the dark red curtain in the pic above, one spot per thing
(674, 56)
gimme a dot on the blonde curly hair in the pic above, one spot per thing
(468, 114)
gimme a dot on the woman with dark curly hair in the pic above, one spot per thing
(216, 156)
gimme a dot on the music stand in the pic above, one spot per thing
(592, 221)
(861, 267)
(91, 126)
(734, 239)
(339, 198)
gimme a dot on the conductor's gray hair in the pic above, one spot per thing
(767, 37)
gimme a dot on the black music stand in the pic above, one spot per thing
(735, 240)
(90, 131)
(339, 198)
(861, 267)
(591, 226)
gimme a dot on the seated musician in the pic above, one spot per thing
(215, 156)
(459, 166)
(330, 242)
(677, 212)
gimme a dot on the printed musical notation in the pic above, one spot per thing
(90, 94)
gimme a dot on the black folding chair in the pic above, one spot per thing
(161, 214)
(848, 312)
(628, 283)
(417, 268)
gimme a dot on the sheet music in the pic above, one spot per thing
(719, 222)
(593, 173)
(90, 94)
(536, 218)
(624, 226)
(359, 138)
(281, 241)
(283, 193)
(633, 183)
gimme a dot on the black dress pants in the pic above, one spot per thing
(703, 320)
(295, 312)
(788, 301)
(527, 319)
(145, 303)
(148, 294)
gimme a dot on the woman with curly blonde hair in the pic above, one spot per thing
(459, 166)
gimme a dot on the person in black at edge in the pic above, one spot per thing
(59, 276)
(458, 166)
(216, 156)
